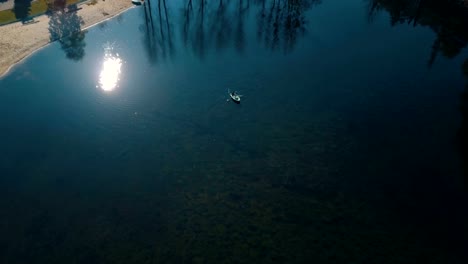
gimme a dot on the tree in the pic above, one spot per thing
(22, 9)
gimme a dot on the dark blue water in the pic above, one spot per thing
(349, 145)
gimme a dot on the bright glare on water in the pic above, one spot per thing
(110, 72)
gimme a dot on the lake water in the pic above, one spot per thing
(350, 144)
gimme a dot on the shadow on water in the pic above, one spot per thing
(65, 26)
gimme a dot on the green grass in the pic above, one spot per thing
(37, 8)
(7, 16)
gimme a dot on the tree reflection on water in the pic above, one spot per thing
(449, 20)
(221, 24)
(157, 36)
(281, 22)
(65, 26)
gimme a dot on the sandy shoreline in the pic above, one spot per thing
(18, 41)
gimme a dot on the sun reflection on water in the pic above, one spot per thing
(110, 72)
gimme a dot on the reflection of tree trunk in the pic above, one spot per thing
(186, 28)
(167, 20)
(147, 21)
(221, 27)
(276, 25)
(240, 38)
(200, 34)
(169, 38)
(269, 20)
(293, 25)
(160, 19)
(202, 9)
(261, 21)
(150, 10)
(161, 30)
(149, 38)
(146, 18)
